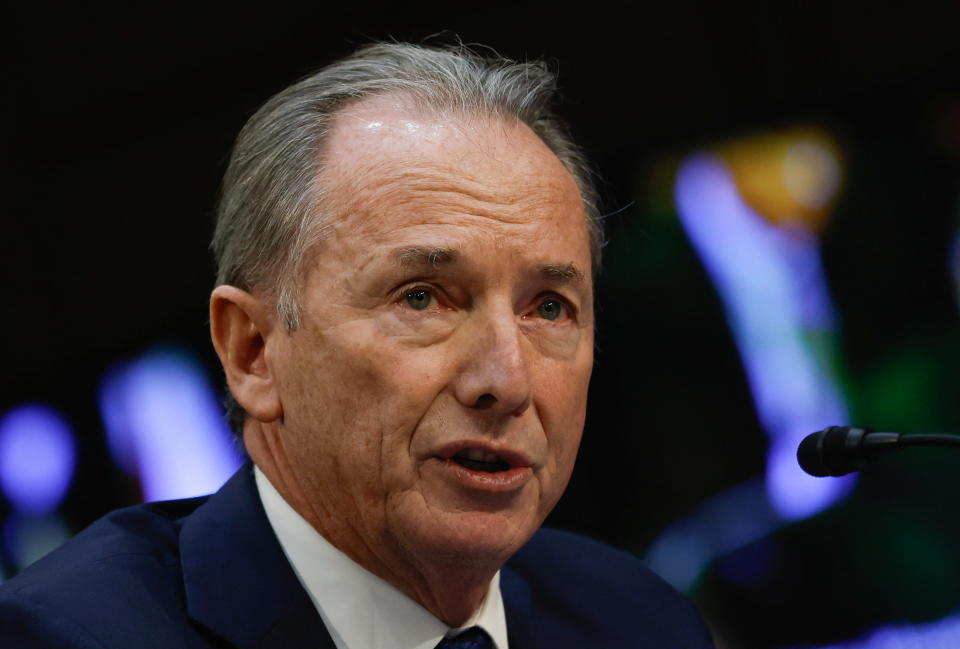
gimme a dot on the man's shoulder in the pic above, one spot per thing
(587, 588)
(122, 569)
(147, 534)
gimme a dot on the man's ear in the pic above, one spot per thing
(240, 325)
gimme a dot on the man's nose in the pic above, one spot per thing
(495, 374)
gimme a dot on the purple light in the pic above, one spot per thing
(772, 285)
(720, 525)
(942, 634)
(37, 458)
(164, 423)
(113, 411)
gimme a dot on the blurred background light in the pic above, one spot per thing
(775, 296)
(766, 269)
(724, 523)
(811, 173)
(165, 425)
(786, 177)
(942, 634)
(37, 458)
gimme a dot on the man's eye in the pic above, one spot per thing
(419, 298)
(550, 309)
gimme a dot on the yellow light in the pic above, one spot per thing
(788, 177)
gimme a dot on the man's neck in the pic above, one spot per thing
(359, 608)
(452, 590)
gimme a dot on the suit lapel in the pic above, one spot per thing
(240, 586)
(518, 605)
(238, 582)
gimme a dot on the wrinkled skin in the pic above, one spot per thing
(450, 307)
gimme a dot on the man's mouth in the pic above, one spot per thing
(477, 459)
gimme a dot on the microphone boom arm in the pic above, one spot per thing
(839, 450)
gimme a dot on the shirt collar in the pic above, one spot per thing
(359, 609)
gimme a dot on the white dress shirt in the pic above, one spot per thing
(359, 609)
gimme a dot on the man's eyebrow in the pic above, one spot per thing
(418, 256)
(562, 273)
(434, 257)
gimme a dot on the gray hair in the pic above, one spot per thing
(270, 215)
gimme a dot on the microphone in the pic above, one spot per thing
(839, 450)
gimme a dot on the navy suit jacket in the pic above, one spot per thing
(209, 572)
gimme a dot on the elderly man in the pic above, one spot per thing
(404, 314)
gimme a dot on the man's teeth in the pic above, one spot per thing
(480, 460)
(478, 455)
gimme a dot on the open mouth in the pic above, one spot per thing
(477, 459)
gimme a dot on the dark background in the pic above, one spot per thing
(116, 127)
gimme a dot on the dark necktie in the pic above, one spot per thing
(472, 638)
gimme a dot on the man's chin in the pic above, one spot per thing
(483, 540)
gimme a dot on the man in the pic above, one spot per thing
(404, 314)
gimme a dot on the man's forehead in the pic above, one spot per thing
(392, 174)
(367, 135)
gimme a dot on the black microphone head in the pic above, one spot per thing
(833, 451)
(809, 458)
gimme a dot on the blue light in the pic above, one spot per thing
(164, 424)
(776, 301)
(113, 411)
(37, 458)
(720, 525)
(942, 634)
